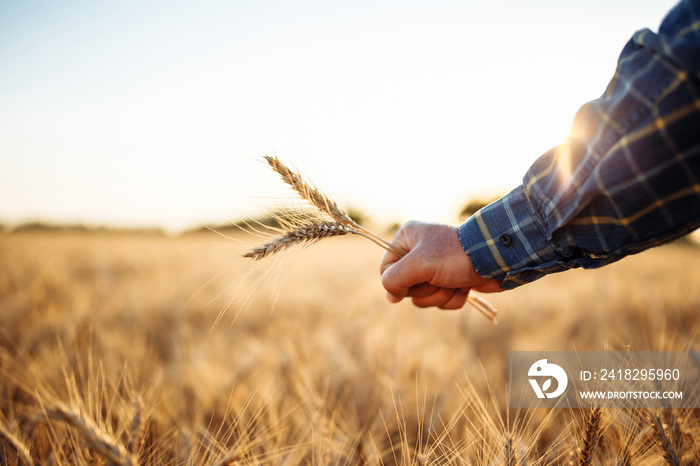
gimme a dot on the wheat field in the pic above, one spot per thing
(148, 349)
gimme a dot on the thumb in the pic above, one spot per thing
(401, 275)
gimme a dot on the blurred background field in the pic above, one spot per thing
(308, 364)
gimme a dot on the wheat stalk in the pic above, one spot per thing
(337, 223)
(229, 460)
(22, 451)
(91, 434)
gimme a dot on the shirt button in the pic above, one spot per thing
(505, 240)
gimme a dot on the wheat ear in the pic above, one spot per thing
(340, 224)
(325, 204)
(669, 452)
(23, 455)
(307, 233)
(625, 458)
(591, 435)
(136, 424)
(91, 434)
(509, 455)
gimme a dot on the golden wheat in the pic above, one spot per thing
(22, 451)
(305, 234)
(325, 205)
(510, 457)
(92, 435)
(591, 436)
(229, 460)
(335, 221)
(624, 449)
(356, 386)
(308, 192)
(664, 442)
(136, 428)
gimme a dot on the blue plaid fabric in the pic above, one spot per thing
(627, 178)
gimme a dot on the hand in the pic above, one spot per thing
(435, 272)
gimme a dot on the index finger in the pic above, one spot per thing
(388, 260)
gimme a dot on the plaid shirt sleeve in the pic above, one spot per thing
(627, 178)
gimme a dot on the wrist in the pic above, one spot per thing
(504, 241)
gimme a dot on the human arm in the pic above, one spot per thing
(626, 179)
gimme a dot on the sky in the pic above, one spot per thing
(157, 113)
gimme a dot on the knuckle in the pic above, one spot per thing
(387, 281)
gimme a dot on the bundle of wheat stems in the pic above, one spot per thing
(332, 221)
